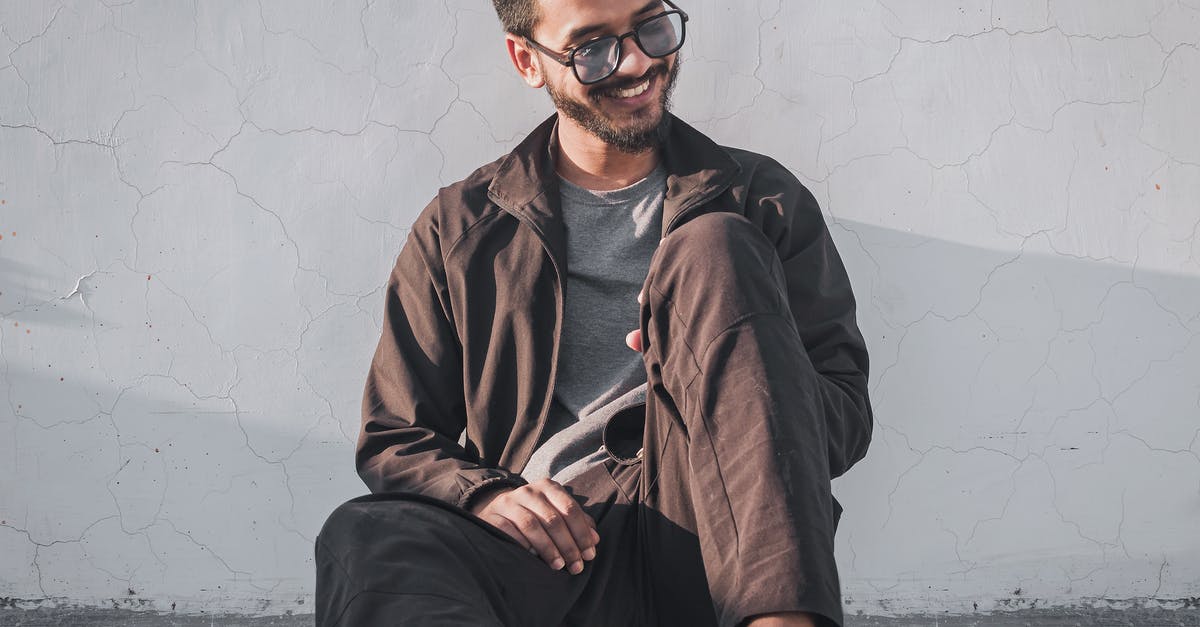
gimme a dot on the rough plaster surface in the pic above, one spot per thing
(199, 203)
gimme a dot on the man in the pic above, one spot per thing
(527, 467)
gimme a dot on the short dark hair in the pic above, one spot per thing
(518, 16)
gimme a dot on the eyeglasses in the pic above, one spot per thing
(596, 60)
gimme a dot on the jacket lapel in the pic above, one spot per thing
(526, 183)
(697, 170)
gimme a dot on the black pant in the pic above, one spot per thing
(726, 514)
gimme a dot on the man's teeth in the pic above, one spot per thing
(632, 91)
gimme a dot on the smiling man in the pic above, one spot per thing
(618, 369)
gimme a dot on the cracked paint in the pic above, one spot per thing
(200, 203)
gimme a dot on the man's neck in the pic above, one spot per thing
(588, 162)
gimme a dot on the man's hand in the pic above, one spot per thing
(546, 520)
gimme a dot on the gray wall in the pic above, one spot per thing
(200, 202)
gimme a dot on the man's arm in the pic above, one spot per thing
(413, 407)
(414, 412)
(823, 307)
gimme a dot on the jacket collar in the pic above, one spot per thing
(526, 182)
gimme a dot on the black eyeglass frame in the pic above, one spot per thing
(567, 57)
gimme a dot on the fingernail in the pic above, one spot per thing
(576, 568)
(595, 537)
(557, 564)
(589, 554)
(533, 551)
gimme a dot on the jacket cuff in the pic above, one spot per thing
(494, 480)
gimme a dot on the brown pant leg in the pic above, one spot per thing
(735, 446)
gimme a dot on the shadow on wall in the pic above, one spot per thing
(930, 308)
(1028, 406)
(127, 485)
(154, 503)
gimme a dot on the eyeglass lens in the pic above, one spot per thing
(657, 37)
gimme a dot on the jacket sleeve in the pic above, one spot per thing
(823, 307)
(413, 407)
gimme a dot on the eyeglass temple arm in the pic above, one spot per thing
(682, 13)
(550, 53)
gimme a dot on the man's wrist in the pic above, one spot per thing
(492, 480)
(480, 500)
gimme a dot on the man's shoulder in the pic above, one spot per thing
(762, 176)
(510, 179)
(471, 193)
(755, 165)
(461, 204)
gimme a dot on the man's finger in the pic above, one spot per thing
(531, 526)
(555, 524)
(581, 526)
(634, 340)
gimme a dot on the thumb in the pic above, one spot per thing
(634, 340)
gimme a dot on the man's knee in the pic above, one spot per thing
(383, 559)
(716, 235)
(362, 524)
(717, 257)
(348, 521)
(716, 247)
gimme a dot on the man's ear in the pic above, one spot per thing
(525, 59)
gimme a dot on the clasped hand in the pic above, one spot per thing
(545, 519)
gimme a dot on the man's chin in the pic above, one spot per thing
(633, 139)
(638, 125)
(628, 131)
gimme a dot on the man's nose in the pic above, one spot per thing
(634, 62)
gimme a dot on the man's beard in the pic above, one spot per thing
(633, 139)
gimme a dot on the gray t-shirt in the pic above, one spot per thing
(611, 236)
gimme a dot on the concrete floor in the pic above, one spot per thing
(1039, 618)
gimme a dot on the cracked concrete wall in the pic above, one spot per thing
(199, 203)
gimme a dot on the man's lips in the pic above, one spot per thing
(630, 89)
(636, 90)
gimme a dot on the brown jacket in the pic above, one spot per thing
(474, 312)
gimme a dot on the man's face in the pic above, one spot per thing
(626, 110)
